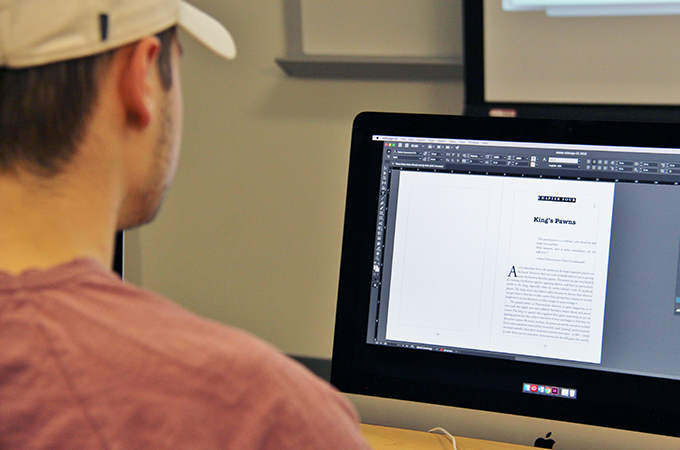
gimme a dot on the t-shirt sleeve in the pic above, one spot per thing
(300, 411)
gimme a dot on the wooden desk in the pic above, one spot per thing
(386, 438)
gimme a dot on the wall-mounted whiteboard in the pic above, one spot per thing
(395, 28)
(377, 39)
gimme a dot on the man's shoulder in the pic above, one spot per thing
(129, 350)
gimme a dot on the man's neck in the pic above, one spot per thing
(47, 222)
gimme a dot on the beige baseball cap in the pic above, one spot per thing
(37, 32)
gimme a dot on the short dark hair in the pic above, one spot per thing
(44, 109)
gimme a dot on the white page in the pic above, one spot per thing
(442, 281)
(552, 268)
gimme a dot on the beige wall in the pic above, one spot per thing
(250, 233)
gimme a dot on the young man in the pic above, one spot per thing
(90, 124)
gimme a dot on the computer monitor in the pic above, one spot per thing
(118, 252)
(523, 271)
(529, 59)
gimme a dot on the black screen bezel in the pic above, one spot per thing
(614, 400)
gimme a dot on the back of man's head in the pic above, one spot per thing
(52, 54)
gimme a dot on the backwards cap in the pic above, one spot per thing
(37, 32)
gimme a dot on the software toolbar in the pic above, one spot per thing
(445, 156)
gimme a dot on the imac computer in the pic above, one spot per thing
(513, 279)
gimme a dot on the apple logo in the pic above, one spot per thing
(545, 442)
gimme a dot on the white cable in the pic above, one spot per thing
(443, 431)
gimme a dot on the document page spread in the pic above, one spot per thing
(501, 264)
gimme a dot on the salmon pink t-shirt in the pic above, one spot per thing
(88, 361)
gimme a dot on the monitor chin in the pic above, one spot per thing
(504, 428)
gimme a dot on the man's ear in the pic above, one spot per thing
(139, 77)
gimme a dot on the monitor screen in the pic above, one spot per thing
(520, 266)
(574, 59)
